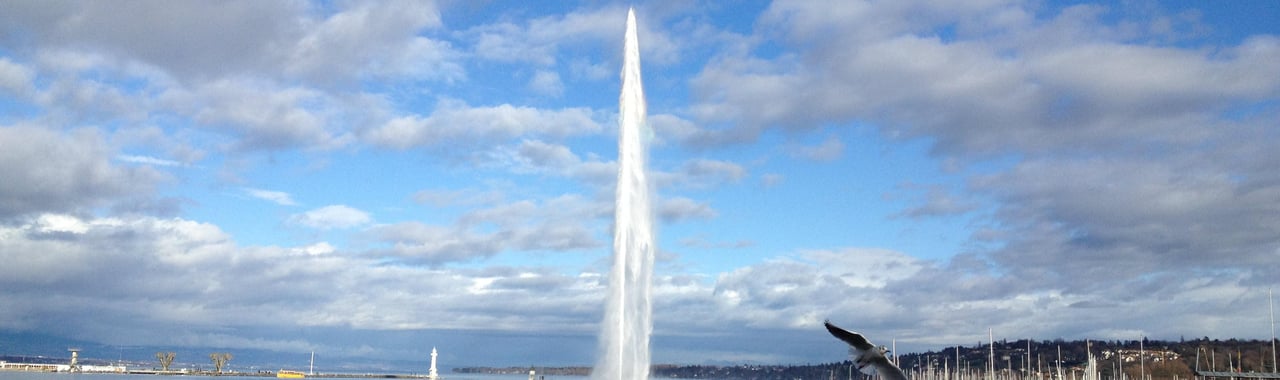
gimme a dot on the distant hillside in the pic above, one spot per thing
(40, 348)
(1160, 360)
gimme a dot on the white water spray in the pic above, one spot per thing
(624, 336)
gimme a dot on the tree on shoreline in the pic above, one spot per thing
(166, 359)
(219, 359)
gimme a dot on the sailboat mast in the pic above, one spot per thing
(1272, 306)
(1060, 363)
(991, 354)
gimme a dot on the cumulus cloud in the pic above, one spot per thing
(465, 197)
(332, 217)
(201, 41)
(50, 171)
(547, 83)
(771, 179)
(147, 160)
(700, 173)
(801, 291)
(544, 158)
(1055, 96)
(15, 78)
(460, 124)
(830, 149)
(371, 39)
(534, 155)
(1104, 146)
(277, 197)
(700, 241)
(935, 202)
(420, 242)
(169, 279)
(1153, 219)
(260, 114)
(680, 208)
(539, 41)
(185, 39)
(261, 76)
(1145, 107)
(672, 129)
(565, 223)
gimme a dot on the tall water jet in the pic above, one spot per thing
(624, 336)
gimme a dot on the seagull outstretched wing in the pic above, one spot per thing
(866, 356)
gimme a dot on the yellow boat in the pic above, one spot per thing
(287, 374)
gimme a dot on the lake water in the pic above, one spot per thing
(20, 375)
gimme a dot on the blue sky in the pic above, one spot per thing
(366, 179)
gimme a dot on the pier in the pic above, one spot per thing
(1237, 375)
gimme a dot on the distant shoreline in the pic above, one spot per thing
(64, 368)
(1154, 357)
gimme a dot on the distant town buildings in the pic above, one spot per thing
(40, 367)
(1133, 356)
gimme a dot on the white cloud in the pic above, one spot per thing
(15, 78)
(539, 41)
(200, 41)
(937, 201)
(564, 223)
(332, 217)
(461, 125)
(261, 115)
(50, 171)
(188, 40)
(372, 39)
(464, 197)
(1150, 117)
(54, 223)
(802, 291)
(538, 154)
(982, 96)
(771, 179)
(700, 173)
(829, 150)
(547, 83)
(278, 197)
(165, 281)
(148, 160)
(321, 248)
(539, 157)
(669, 129)
(680, 208)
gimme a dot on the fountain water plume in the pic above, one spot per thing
(624, 336)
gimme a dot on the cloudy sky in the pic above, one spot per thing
(365, 179)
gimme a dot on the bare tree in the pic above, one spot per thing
(166, 359)
(219, 359)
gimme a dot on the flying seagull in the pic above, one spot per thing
(866, 356)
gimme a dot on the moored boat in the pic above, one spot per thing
(287, 374)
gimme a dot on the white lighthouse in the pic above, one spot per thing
(432, 374)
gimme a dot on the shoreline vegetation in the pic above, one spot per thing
(1024, 358)
(1017, 359)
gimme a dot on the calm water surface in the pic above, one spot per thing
(18, 375)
